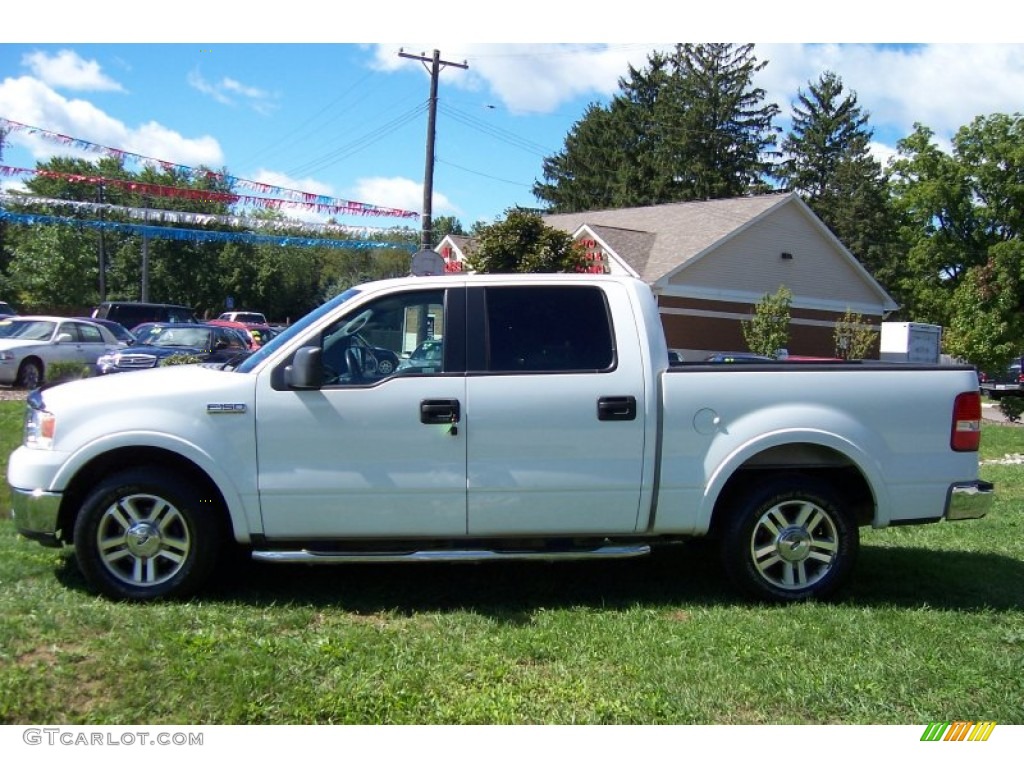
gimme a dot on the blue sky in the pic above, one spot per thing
(348, 119)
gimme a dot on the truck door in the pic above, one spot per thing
(379, 450)
(555, 410)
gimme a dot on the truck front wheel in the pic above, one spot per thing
(145, 534)
(790, 540)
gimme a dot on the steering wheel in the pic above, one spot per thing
(355, 365)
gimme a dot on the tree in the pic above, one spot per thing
(688, 126)
(962, 224)
(828, 162)
(523, 243)
(854, 336)
(446, 225)
(768, 330)
(718, 129)
(54, 269)
(986, 323)
(583, 175)
(938, 226)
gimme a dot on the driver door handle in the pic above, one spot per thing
(440, 411)
(616, 408)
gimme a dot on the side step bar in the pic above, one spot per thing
(448, 555)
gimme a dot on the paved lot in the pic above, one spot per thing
(991, 412)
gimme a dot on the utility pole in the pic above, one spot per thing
(427, 234)
(102, 246)
(3, 224)
(145, 252)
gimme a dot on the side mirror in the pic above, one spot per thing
(306, 370)
(63, 338)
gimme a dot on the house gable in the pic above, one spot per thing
(788, 246)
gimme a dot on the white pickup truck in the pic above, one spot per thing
(544, 423)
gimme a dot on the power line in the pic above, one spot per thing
(297, 133)
(484, 175)
(357, 145)
(502, 134)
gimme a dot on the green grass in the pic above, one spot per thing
(932, 630)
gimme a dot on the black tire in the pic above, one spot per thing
(789, 540)
(30, 374)
(385, 366)
(147, 533)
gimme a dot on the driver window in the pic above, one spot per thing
(400, 334)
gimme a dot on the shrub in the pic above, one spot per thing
(66, 370)
(1011, 408)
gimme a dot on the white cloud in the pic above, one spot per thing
(528, 78)
(943, 86)
(67, 69)
(197, 81)
(277, 179)
(398, 192)
(32, 102)
(260, 100)
(248, 91)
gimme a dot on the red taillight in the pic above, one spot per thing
(966, 432)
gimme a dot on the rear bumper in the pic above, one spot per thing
(969, 501)
(36, 514)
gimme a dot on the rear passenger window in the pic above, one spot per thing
(89, 334)
(537, 329)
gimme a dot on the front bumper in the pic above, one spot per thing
(969, 501)
(36, 515)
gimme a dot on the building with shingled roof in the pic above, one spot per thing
(710, 262)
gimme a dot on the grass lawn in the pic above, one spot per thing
(932, 630)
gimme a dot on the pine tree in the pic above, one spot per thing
(828, 162)
(719, 131)
(688, 126)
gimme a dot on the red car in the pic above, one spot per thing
(258, 335)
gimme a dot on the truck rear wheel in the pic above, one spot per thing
(791, 539)
(145, 534)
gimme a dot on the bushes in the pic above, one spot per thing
(1012, 408)
(66, 370)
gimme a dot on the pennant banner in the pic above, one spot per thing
(210, 196)
(200, 219)
(199, 235)
(293, 195)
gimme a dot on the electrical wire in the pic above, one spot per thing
(357, 145)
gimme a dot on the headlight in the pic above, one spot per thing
(40, 427)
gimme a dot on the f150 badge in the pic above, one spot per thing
(226, 407)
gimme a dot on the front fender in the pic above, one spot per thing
(244, 513)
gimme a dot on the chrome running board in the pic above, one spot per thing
(448, 555)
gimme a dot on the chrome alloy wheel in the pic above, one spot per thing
(794, 544)
(143, 540)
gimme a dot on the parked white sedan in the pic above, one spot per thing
(29, 345)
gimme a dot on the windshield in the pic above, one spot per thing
(175, 336)
(294, 330)
(30, 330)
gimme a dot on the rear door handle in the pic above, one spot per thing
(440, 411)
(616, 408)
